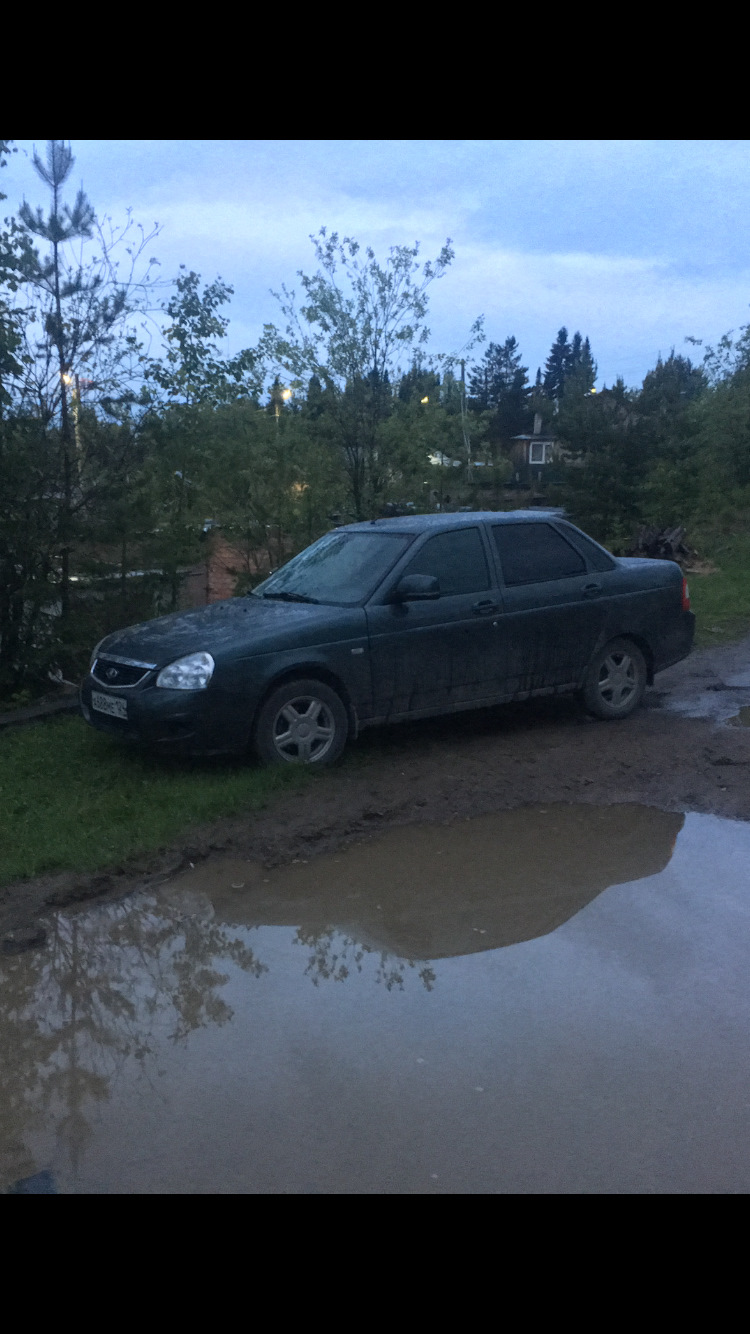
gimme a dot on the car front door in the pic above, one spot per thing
(431, 656)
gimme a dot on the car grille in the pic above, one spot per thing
(113, 672)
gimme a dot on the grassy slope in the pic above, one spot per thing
(72, 799)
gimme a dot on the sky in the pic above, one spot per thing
(639, 244)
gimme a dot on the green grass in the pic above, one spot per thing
(72, 799)
(721, 601)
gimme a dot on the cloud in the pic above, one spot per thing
(635, 243)
(631, 308)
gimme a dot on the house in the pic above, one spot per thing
(531, 456)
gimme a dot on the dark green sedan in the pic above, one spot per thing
(397, 618)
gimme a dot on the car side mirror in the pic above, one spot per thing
(416, 588)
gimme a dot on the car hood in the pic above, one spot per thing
(236, 627)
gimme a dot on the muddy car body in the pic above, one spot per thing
(398, 618)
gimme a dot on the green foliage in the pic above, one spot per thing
(606, 464)
(271, 484)
(62, 462)
(667, 390)
(569, 366)
(192, 370)
(360, 323)
(13, 253)
(556, 365)
(500, 385)
(28, 629)
(359, 316)
(82, 321)
(721, 597)
(72, 799)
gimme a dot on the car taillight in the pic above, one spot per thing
(685, 596)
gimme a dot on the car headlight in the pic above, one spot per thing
(95, 655)
(191, 673)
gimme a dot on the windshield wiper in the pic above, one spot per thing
(290, 597)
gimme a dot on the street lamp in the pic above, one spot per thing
(286, 394)
(72, 382)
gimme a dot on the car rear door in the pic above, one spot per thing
(554, 607)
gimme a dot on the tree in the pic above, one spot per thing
(193, 380)
(81, 326)
(557, 365)
(580, 376)
(669, 387)
(358, 321)
(419, 385)
(500, 385)
(569, 365)
(192, 370)
(69, 376)
(603, 486)
(13, 251)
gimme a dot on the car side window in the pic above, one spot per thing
(598, 559)
(533, 553)
(457, 559)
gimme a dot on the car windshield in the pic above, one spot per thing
(342, 568)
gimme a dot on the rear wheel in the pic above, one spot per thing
(302, 722)
(616, 680)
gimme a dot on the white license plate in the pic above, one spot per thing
(116, 708)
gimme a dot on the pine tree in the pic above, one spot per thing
(500, 385)
(557, 366)
(569, 364)
(580, 374)
(82, 313)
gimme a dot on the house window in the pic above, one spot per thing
(540, 453)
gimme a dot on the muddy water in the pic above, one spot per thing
(555, 999)
(723, 699)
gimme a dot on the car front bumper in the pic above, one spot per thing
(193, 722)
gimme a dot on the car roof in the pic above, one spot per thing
(420, 523)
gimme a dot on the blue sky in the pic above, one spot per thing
(637, 243)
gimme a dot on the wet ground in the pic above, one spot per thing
(687, 749)
(554, 999)
(472, 958)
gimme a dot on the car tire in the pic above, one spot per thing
(616, 680)
(302, 722)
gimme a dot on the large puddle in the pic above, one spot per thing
(555, 999)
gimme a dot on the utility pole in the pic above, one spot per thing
(464, 426)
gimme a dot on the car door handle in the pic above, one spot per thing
(485, 608)
(591, 590)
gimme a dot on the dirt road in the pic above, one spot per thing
(679, 752)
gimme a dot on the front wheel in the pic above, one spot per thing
(302, 722)
(616, 680)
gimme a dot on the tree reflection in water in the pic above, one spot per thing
(115, 983)
(334, 956)
(111, 984)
